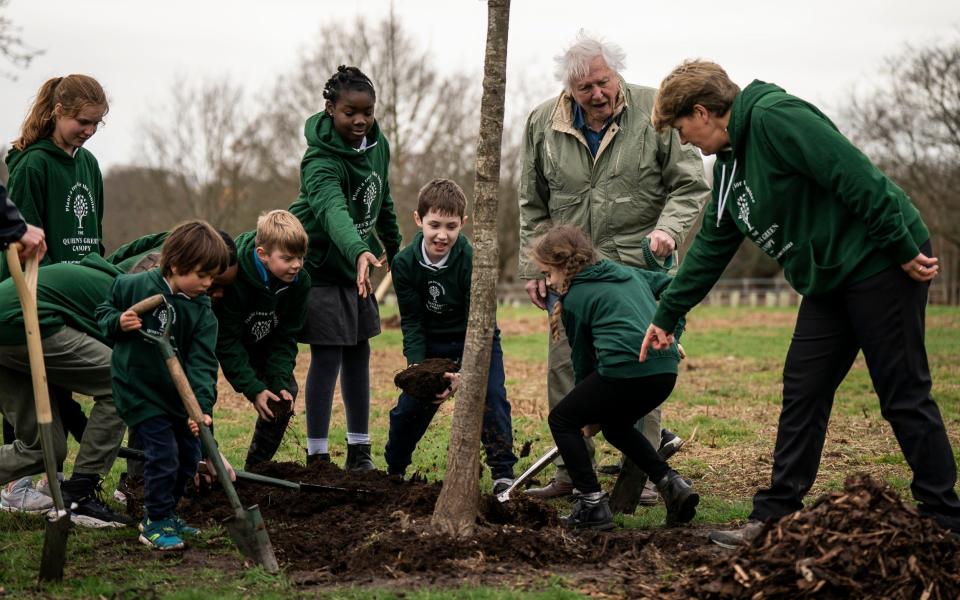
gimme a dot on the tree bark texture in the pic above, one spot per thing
(457, 507)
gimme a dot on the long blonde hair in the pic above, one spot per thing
(568, 249)
(73, 93)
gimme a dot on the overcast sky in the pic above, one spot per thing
(817, 49)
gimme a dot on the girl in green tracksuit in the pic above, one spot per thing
(346, 208)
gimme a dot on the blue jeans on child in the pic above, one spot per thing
(172, 454)
(411, 417)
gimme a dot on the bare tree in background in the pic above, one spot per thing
(12, 48)
(910, 126)
(457, 506)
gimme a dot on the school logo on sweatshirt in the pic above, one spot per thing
(367, 195)
(156, 324)
(261, 323)
(767, 240)
(80, 203)
(435, 291)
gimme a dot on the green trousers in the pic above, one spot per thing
(559, 384)
(74, 361)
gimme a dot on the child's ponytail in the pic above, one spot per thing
(73, 93)
(567, 248)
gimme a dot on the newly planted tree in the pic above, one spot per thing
(456, 509)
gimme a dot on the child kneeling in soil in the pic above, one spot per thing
(144, 393)
(259, 317)
(431, 277)
(605, 308)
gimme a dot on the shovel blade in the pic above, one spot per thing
(248, 532)
(54, 554)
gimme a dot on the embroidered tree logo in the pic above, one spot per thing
(369, 196)
(434, 291)
(80, 208)
(260, 329)
(163, 319)
(744, 207)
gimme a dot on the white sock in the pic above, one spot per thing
(317, 446)
(358, 438)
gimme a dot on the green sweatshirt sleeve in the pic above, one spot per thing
(533, 195)
(411, 315)
(201, 364)
(108, 315)
(27, 190)
(233, 356)
(659, 282)
(712, 250)
(387, 229)
(321, 182)
(283, 346)
(682, 171)
(138, 246)
(580, 337)
(809, 143)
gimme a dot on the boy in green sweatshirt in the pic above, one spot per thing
(260, 316)
(431, 277)
(146, 398)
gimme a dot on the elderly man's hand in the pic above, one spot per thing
(661, 243)
(537, 290)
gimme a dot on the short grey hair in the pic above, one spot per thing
(574, 63)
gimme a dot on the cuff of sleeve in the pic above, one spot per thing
(903, 250)
(252, 391)
(665, 320)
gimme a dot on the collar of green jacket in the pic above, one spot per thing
(742, 109)
(45, 145)
(321, 136)
(453, 255)
(603, 270)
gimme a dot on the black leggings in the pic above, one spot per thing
(616, 404)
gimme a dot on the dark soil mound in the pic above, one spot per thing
(425, 380)
(863, 542)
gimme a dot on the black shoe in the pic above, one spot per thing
(358, 458)
(670, 444)
(613, 469)
(87, 508)
(590, 514)
(317, 458)
(949, 522)
(679, 497)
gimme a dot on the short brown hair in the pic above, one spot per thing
(442, 196)
(280, 230)
(693, 82)
(194, 246)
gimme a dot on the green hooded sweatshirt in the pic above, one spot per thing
(67, 295)
(606, 312)
(434, 301)
(142, 386)
(129, 254)
(798, 189)
(61, 194)
(344, 198)
(259, 318)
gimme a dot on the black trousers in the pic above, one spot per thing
(616, 404)
(883, 316)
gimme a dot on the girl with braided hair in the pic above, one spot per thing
(346, 208)
(605, 308)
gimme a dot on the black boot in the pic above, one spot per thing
(679, 497)
(82, 494)
(317, 458)
(590, 513)
(358, 458)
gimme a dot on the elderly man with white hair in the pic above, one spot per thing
(592, 158)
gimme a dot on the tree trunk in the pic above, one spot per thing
(457, 506)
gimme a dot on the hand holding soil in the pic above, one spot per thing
(432, 380)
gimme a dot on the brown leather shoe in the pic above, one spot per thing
(554, 489)
(649, 496)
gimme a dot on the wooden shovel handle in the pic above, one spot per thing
(147, 304)
(27, 291)
(183, 387)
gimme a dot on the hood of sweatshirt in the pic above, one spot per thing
(742, 110)
(604, 270)
(321, 136)
(45, 145)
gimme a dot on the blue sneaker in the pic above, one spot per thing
(161, 535)
(184, 529)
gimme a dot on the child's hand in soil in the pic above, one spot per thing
(454, 379)
(590, 430)
(260, 403)
(287, 396)
(130, 321)
(194, 428)
(209, 472)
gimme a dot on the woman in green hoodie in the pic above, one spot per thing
(848, 239)
(57, 185)
(605, 308)
(346, 208)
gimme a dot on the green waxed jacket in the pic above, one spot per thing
(639, 181)
(344, 203)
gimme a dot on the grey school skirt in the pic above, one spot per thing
(338, 316)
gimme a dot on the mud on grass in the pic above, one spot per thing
(377, 533)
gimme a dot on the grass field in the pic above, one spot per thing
(726, 405)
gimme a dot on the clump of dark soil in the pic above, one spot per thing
(280, 408)
(425, 380)
(863, 542)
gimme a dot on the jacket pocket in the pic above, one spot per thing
(566, 208)
(635, 216)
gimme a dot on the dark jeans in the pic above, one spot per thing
(172, 455)
(268, 435)
(616, 404)
(410, 418)
(883, 316)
